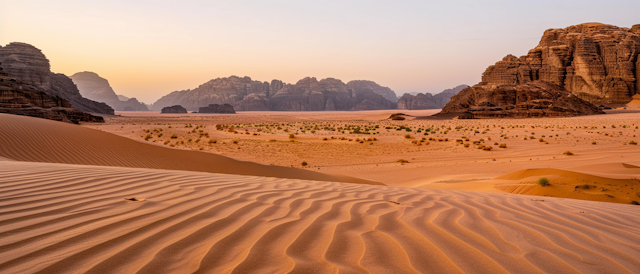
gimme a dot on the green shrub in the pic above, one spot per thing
(543, 182)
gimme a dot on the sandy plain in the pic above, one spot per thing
(106, 198)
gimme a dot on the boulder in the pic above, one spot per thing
(174, 109)
(215, 108)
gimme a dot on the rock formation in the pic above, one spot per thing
(215, 108)
(533, 99)
(308, 94)
(428, 101)
(598, 63)
(20, 98)
(96, 88)
(174, 109)
(27, 65)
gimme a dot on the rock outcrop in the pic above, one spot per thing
(20, 98)
(533, 99)
(308, 94)
(27, 65)
(174, 109)
(215, 108)
(428, 101)
(96, 88)
(598, 63)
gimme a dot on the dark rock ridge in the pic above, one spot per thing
(96, 88)
(598, 63)
(27, 65)
(428, 101)
(20, 98)
(215, 108)
(533, 99)
(308, 94)
(174, 109)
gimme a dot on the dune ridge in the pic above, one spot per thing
(61, 218)
(39, 140)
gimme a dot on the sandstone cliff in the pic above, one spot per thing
(428, 101)
(598, 63)
(26, 64)
(20, 98)
(96, 88)
(308, 94)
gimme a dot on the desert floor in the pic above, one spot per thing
(155, 193)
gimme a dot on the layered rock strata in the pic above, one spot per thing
(20, 98)
(28, 65)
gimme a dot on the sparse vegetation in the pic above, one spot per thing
(543, 182)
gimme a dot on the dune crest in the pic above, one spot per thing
(39, 140)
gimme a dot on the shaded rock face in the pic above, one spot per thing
(533, 99)
(215, 108)
(308, 94)
(428, 101)
(596, 62)
(20, 98)
(364, 85)
(174, 109)
(96, 88)
(28, 65)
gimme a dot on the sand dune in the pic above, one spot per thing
(60, 218)
(38, 140)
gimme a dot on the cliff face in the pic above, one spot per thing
(27, 65)
(596, 62)
(96, 88)
(569, 71)
(20, 98)
(308, 94)
(428, 101)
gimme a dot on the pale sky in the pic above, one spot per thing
(147, 49)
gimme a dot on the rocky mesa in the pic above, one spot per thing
(428, 100)
(308, 94)
(592, 62)
(28, 65)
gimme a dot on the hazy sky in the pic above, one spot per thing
(147, 49)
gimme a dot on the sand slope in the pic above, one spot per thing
(39, 140)
(60, 218)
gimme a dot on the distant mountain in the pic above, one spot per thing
(28, 65)
(123, 98)
(308, 94)
(96, 88)
(428, 101)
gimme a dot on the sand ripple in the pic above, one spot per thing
(60, 218)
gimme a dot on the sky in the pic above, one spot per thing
(147, 49)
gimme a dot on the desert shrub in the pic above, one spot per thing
(633, 143)
(593, 143)
(568, 153)
(173, 136)
(487, 148)
(213, 141)
(236, 141)
(466, 145)
(304, 164)
(408, 136)
(585, 186)
(292, 136)
(635, 203)
(324, 139)
(503, 145)
(543, 181)
(146, 138)
(403, 161)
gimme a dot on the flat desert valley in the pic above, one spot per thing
(320, 192)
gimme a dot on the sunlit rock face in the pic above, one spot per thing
(596, 62)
